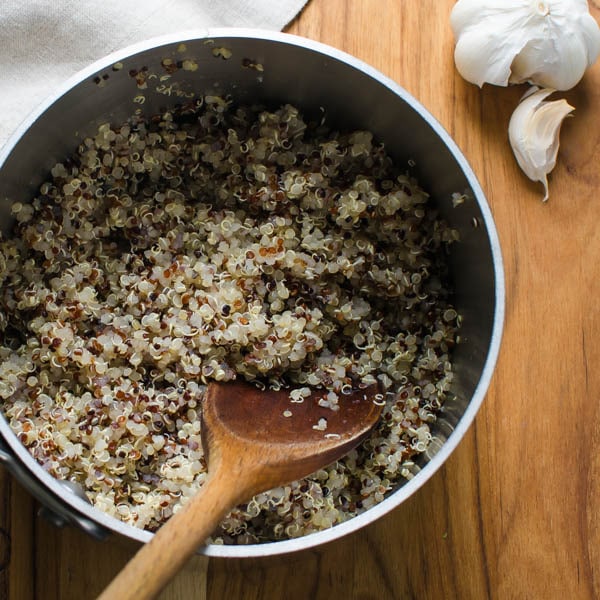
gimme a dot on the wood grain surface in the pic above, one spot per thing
(515, 512)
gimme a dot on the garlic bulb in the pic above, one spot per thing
(549, 43)
(533, 132)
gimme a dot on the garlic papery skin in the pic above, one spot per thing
(549, 43)
(533, 132)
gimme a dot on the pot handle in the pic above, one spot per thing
(53, 508)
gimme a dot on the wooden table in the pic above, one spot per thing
(515, 512)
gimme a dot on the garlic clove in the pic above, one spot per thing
(555, 62)
(533, 132)
(482, 57)
(484, 54)
(550, 43)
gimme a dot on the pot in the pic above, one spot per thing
(274, 68)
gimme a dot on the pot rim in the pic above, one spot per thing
(81, 507)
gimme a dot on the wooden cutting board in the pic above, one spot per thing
(515, 512)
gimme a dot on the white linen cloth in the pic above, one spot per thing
(43, 42)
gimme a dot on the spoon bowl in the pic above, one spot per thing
(290, 439)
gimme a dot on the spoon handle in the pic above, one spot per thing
(158, 561)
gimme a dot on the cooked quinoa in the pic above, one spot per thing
(210, 243)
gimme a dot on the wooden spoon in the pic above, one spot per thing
(254, 441)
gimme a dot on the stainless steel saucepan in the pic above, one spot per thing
(255, 66)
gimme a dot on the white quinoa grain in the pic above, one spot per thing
(321, 425)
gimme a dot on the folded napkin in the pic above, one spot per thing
(43, 42)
